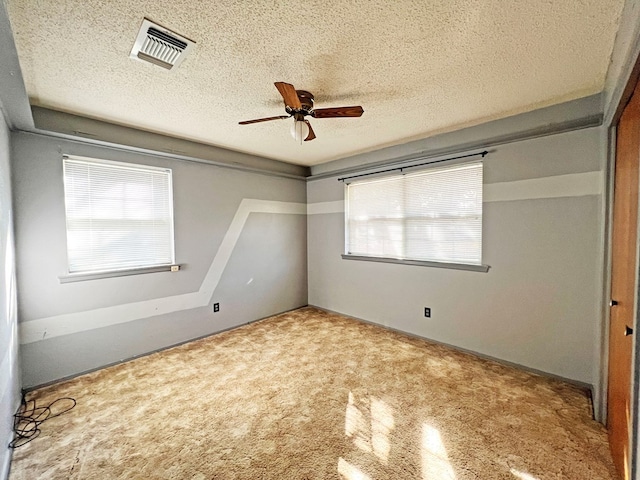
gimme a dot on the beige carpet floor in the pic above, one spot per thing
(313, 395)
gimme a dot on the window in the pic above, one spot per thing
(434, 215)
(119, 215)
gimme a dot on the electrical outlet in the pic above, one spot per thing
(427, 312)
(216, 307)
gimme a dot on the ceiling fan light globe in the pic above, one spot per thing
(299, 130)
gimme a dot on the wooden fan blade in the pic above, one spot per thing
(289, 95)
(311, 135)
(258, 120)
(337, 112)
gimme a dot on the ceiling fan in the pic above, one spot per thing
(298, 104)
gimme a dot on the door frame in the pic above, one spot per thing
(601, 411)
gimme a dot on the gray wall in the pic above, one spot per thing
(9, 375)
(539, 304)
(74, 327)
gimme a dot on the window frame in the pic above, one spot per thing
(70, 276)
(480, 267)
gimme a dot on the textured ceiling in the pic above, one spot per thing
(417, 67)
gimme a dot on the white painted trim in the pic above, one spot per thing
(325, 207)
(70, 323)
(572, 185)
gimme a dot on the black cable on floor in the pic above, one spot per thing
(27, 421)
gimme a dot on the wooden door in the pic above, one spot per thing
(623, 283)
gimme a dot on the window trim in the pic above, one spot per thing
(420, 263)
(69, 277)
(81, 277)
(475, 267)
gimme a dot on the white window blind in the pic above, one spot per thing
(432, 215)
(119, 215)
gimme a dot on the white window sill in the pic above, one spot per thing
(420, 263)
(81, 277)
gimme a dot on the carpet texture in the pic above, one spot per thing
(313, 395)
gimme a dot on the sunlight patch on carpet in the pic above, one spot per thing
(523, 475)
(369, 423)
(350, 472)
(381, 426)
(435, 461)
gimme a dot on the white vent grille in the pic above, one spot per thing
(160, 46)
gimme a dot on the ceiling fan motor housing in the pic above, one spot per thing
(306, 100)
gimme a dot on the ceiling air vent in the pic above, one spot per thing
(160, 46)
